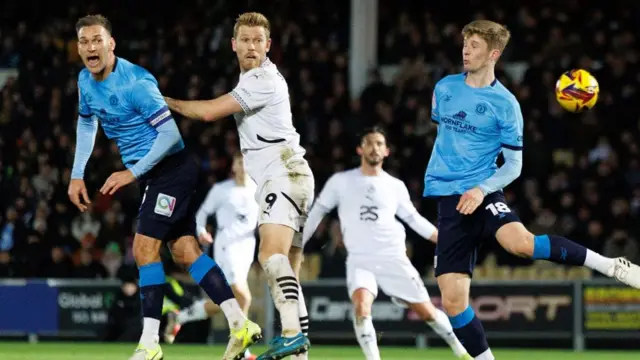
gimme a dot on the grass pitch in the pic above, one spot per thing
(94, 351)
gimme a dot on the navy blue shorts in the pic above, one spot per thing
(459, 236)
(167, 211)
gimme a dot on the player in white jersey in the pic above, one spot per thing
(368, 200)
(275, 161)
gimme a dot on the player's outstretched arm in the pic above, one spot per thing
(408, 213)
(208, 207)
(506, 174)
(316, 215)
(205, 110)
(86, 131)
(326, 201)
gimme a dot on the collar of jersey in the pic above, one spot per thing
(493, 83)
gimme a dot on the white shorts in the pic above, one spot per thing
(396, 276)
(285, 189)
(286, 200)
(235, 258)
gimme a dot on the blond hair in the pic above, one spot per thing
(496, 35)
(252, 19)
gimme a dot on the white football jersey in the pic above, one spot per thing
(269, 142)
(235, 209)
(367, 208)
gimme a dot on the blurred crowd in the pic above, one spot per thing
(581, 176)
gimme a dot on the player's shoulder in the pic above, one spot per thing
(505, 95)
(84, 77)
(394, 181)
(129, 72)
(224, 185)
(266, 72)
(451, 80)
(339, 177)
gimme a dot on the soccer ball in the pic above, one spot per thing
(577, 90)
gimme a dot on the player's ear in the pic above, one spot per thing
(112, 44)
(495, 54)
(387, 151)
(268, 44)
(359, 150)
(233, 44)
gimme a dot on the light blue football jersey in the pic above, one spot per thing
(474, 124)
(129, 107)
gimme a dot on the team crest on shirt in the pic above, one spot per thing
(481, 109)
(165, 204)
(113, 100)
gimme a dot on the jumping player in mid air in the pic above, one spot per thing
(479, 118)
(275, 161)
(368, 200)
(124, 98)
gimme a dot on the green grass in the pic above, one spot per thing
(85, 351)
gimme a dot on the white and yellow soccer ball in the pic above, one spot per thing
(577, 90)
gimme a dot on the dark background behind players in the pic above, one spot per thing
(581, 176)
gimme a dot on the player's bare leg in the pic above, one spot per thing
(296, 257)
(186, 251)
(517, 240)
(275, 243)
(454, 289)
(362, 300)
(439, 322)
(146, 252)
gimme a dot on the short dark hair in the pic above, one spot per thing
(91, 20)
(372, 130)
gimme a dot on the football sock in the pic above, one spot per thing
(152, 280)
(367, 337)
(208, 274)
(442, 327)
(487, 355)
(564, 251)
(284, 291)
(304, 323)
(469, 330)
(597, 262)
(233, 312)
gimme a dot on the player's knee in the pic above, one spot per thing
(454, 305)
(185, 250)
(516, 240)
(362, 300)
(267, 250)
(426, 310)
(146, 250)
(361, 309)
(274, 239)
(454, 289)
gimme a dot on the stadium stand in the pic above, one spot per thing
(581, 176)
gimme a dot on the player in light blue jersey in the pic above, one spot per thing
(478, 118)
(125, 100)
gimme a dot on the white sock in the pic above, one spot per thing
(247, 354)
(150, 331)
(442, 326)
(195, 312)
(304, 323)
(234, 314)
(284, 291)
(367, 337)
(487, 355)
(599, 263)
